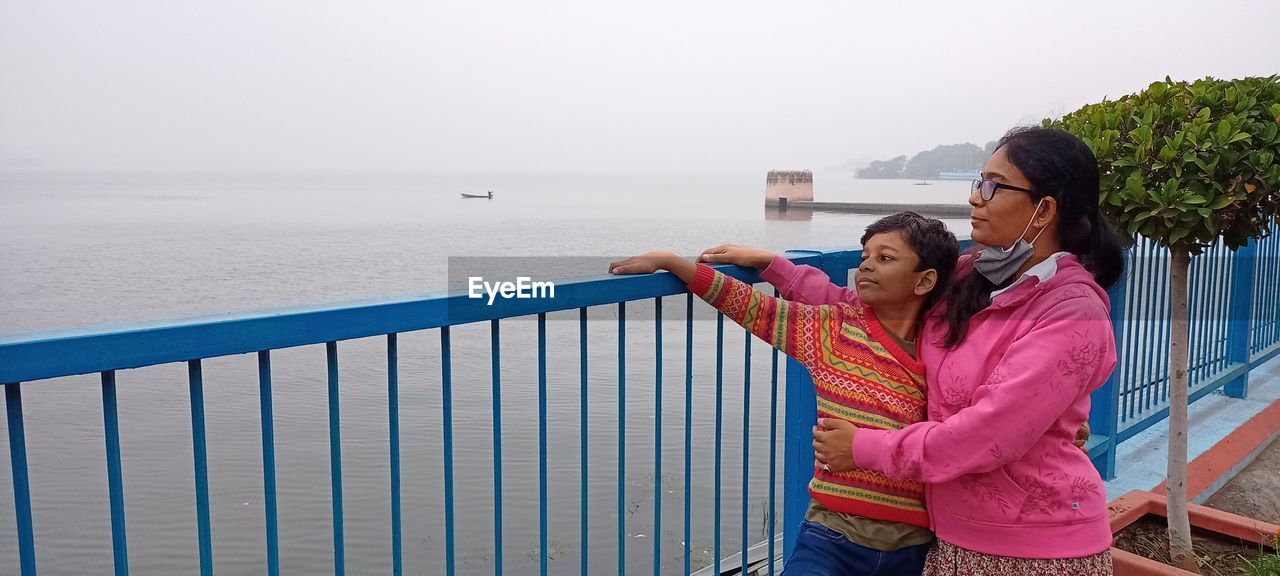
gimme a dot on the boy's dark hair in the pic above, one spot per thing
(930, 240)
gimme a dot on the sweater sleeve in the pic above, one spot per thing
(798, 330)
(1067, 354)
(806, 284)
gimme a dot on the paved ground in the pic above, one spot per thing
(1141, 461)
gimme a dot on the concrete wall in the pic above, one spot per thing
(794, 185)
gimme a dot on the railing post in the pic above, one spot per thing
(802, 412)
(1104, 410)
(1241, 311)
(21, 482)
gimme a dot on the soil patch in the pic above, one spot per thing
(1219, 554)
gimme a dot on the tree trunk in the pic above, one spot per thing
(1176, 491)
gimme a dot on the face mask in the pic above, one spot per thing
(998, 265)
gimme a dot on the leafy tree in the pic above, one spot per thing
(944, 158)
(927, 164)
(883, 168)
(1184, 164)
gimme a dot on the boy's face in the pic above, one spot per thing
(888, 273)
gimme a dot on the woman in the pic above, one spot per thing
(1011, 357)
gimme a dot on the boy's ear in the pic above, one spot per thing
(927, 282)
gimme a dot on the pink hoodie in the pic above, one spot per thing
(1002, 475)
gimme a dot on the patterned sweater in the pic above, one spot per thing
(859, 375)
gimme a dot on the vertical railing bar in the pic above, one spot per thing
(746, 442)
(335, 460)
(542, 444)
(1273, 304)
(1219, 351)
(1224, 308)
(1259, 295)
(719, 436)
(393, 425)
(1215, 309)
(446, 394)
(1258, 287)
(773, 453)
(1274, 288)
(1212, 296)
(268, 464)
(1270, 292)
(195, 379)
(115, 480)
(688, 428)
(21, 481)
(495, 353)
(582, 414)
(1230, 311)
(622, 438)
(1267, 288)
(1266, 337)
(657, 437)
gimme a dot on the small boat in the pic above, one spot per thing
(489, 196)
(923, 183)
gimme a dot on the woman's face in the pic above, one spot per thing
(1001, 220)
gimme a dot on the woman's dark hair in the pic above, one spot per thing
(1061, 166)
(930, 240)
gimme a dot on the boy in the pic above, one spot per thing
(860, 350)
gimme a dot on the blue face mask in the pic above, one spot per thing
(998, 264)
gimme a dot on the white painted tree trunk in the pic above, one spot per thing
(1179, 523)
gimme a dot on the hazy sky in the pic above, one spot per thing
(583, 85)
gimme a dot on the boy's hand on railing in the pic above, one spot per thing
(651, 262)
(758, 258)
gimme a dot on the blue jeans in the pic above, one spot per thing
(821, 551)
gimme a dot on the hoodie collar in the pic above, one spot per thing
(1043, 271)
(1068, 271)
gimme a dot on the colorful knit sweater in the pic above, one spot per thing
(859, 375)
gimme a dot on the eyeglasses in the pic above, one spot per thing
(989, 187)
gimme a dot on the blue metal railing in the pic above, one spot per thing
(1232, 319)
(1235, 326)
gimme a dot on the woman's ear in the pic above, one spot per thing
(927, 281)
(1048, 213)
